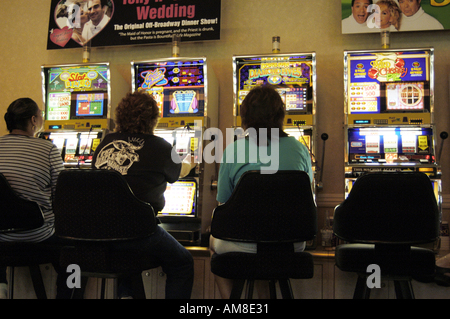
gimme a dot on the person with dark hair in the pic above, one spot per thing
(414, 18)
(145, 160)
(357, 21)
(31, 166)
(98, 18)
(262, 113)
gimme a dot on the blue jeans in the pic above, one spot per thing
(175, 260)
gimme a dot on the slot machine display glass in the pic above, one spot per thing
(76, 95)
(178, 87)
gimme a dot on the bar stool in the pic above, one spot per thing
(274, 211)
(18, 214)
(383, 217)
(97, 212)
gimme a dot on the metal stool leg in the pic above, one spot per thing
(238, 286)
(102, 296)
(286, 289)
(11, 283)
(38, 283)
(138, 286)
(250, 287)
(79, 293)
(272, 289)
(115, 288)
(403, 289)
(361, 289)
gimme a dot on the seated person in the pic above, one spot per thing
(31, 166)
(262, 108)
(148, 163)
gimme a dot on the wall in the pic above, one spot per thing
(247, 28)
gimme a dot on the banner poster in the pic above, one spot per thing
(367, 16)
(73, 23)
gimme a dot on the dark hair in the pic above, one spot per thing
(263, 108)
(353, 2)
(138, 112)
(19, 113)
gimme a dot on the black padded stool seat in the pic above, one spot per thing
(384, 217)
(100, 217)
(105, 258)
(398, 266)
(262, 266)
(356, 257)
(105, 261)
(18, 214)
(274, 211)
(274, 267)
(22, 254)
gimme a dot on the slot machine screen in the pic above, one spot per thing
(291, 75)
(76, 92)
(90, 104)
(388, 81)
(177, 86)
(405, 96)
(181, 199)
(390, 145)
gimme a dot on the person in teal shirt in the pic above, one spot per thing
(290, 155)
(267, 148)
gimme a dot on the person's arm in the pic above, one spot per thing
(187, 165)
(56, 166)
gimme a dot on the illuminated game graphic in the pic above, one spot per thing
(180, 198)
(177, 86)
(405, 96)
(294, 98)
(290, 74)
(153, 78)
(364, 97)
(390, 145)
(381, 82)
(184, 102)
(90, 104)
(76, 92)
(58, 107)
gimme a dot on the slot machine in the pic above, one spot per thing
(77, 100)
(389, 114)
(186, 91)
(294, 76)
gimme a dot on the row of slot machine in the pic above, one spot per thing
(77, 99)
(388, 108)
(389, 116)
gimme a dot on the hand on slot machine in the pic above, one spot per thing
(187, 165)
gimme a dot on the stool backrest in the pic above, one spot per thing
(16, 213)
(276, 207)
(390, 208)
(98, 205)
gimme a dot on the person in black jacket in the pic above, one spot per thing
(146, 162)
